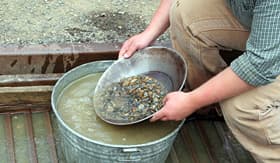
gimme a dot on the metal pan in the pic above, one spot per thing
(164, 64)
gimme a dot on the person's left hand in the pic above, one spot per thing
(177, 106)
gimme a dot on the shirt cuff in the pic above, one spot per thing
(248, 72)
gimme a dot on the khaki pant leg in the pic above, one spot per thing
(198, 29)
(254, 119)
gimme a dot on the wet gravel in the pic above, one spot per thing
(25, 22)
(132, 99)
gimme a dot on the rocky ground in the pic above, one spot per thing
(25, 22)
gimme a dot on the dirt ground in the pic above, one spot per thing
(24, 22)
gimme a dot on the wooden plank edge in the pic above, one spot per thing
(29, 79)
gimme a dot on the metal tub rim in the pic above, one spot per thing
(61, 121)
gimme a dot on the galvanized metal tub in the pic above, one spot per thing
(80, 149)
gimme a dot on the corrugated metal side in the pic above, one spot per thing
(26, 136)
(197, 142)
(202, 141)
(3, 142)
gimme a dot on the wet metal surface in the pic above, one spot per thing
(22, 142)
(205, 141)
(33, 151)
(197, 142)
(9, 136)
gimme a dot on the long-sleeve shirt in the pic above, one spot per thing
(260, 63)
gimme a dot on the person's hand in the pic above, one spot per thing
(177, 106)
(135, 43)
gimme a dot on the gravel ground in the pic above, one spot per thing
(25, 22)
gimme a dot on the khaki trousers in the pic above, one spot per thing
(198, 30)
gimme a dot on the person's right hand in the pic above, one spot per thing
(177, 106)
(135, 43)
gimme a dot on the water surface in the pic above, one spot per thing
(76, 109)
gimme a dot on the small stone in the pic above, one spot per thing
(103, 14)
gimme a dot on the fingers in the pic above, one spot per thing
(165, 99)
(127, 49)
(160, 115)
(130, 51)
(124, 48)
(164, 119)
(157, 116)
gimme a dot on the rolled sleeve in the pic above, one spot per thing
(247, 71)
(260, 63)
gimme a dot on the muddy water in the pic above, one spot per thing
(76, 109)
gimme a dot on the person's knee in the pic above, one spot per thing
(229, 110)
(256, 127)
(253, 120)
(238, 115)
